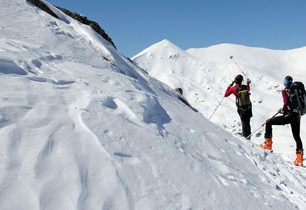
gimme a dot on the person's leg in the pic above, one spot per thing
(250, 114)
(245, 116)
(295, 128)
(241, 119)
(244, 126)
(279, 120)
(247, 127)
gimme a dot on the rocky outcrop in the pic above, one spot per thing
(43, 6)
(94, 25)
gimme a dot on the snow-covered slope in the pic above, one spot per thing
(206, 79)
(170, 61)
(83, 128)
(270, 62)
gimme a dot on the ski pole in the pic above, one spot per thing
(231, 57)
(249, 136)
(216, 108)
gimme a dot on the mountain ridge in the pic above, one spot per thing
(81, 127)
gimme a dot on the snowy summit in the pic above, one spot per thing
(83, 128)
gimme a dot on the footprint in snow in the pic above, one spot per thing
(122, 154)
(12, 46)
(37, 79)
(37, 63)
(109, 103)
(57, 30)
(128, 158)
(9, 67)
(48, 56)
(54, 81)
(124, 109)
(120, 107)
(62, 82)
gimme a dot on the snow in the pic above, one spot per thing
(81, 127)
(205, 73)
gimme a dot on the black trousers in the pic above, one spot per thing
(245, 117)
(293, 119)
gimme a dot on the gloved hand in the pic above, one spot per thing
(280, 110)
(248, 81)
(232, 83)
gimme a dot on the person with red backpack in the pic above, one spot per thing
(291, 114)
(243, 103)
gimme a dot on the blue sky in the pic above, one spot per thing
(136, 24)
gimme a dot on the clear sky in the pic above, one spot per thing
(136, 24)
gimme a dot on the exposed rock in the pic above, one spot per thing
(42, 6)
(94, 25)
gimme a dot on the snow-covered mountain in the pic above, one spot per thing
(267, 61)
(205, 79)
(205, 73)
(81, 127)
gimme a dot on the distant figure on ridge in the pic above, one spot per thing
(243, 103)
(294, 106)
(183, 99)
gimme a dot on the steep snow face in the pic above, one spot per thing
(83, 128)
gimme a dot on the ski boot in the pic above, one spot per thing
(267, 144)
(299, 158)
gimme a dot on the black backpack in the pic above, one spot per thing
(243, 97)
(297, 98)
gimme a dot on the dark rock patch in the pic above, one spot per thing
(82, 19)
(94, 25)
(42, 6)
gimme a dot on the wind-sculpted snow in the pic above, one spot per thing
(85, 129)
(155, 113)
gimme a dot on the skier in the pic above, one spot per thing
(243, 103)
(289, 117)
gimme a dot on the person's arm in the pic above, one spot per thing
(248, 87)
(285, 100)
(230, 90)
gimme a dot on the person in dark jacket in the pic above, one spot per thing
(245, 113)
(288, 117)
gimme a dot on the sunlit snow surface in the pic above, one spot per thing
(83, 128)
(205, 73)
